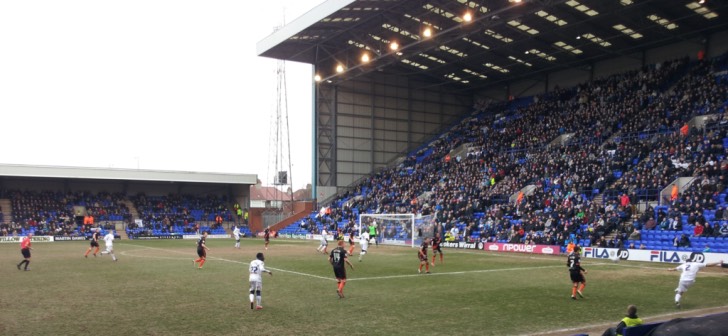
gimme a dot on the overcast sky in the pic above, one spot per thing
(151, 84)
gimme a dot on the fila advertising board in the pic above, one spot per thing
(652, 255)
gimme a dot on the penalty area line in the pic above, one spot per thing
(302, 274)
(226, 260)
(455, 273)
(127, 254)
(277, 269)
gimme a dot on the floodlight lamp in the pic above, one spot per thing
(317, 78)
(701, 2)
(427, 32)
(394, 46)
(467, 17)
(365, 58)
(339, 68)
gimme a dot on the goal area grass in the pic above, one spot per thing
(154, 289)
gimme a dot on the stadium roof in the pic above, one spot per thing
(11, 170)
(505, 40)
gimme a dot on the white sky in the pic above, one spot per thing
(150, 84)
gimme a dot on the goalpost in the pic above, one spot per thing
(398, 229)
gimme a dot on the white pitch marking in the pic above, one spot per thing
(304, 274)
(125, 253)
(231, 261)
(369, 278)
(451, 273)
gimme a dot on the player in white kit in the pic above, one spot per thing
(257, 267)
(236, 235)
(363, 243)
(109, 240)
(687, 278)
(324, 243)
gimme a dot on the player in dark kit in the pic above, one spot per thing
(266, 236)
(338, 259)
(201, 250)
(422, 254)
(351, 241)
(436, 248)
(94, 243)
(576, 272)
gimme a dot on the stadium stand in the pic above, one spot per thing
(179, 214)
(49, 212)
(75, 213)
(621, 143)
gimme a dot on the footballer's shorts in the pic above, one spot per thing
(683, 286)
(201, 253)
(94, 243)
(577, 277)
(340, 273)
(25, 252)
(436, 250)
(110, 248)
(256, 285)
(422, 258)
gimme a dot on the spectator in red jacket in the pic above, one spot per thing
(624, 200)
(698, 230)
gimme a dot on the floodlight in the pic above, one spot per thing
(427, 32)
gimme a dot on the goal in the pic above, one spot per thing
(398, 229)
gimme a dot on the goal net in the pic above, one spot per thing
(398, 229)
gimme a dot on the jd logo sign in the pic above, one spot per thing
(697, 257)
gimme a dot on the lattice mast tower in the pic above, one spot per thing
(280, 142)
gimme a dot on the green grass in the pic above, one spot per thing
(155, 290)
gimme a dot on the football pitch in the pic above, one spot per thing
(154, 289)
